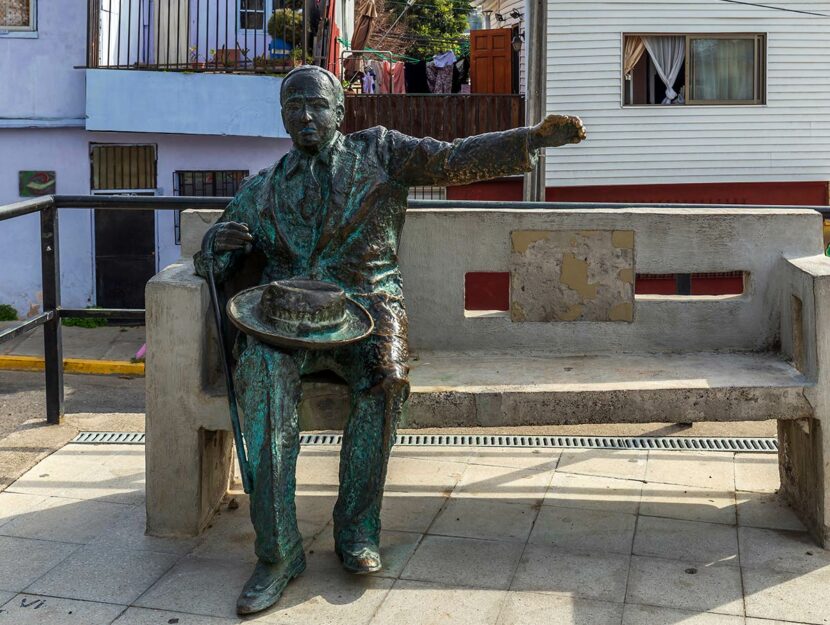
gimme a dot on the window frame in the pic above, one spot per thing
(264, 11)
(760, 39)
(23, 30)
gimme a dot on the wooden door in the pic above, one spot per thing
(491, 60)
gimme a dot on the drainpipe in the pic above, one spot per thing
(536, 35)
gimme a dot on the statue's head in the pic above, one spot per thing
(312, 102)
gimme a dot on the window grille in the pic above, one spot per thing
(17, 15)
(210, 183)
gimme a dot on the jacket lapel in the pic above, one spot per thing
(344, 165)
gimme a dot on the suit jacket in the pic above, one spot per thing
(351, 235)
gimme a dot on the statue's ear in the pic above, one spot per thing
(341, 113)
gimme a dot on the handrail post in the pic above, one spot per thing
(52, 340)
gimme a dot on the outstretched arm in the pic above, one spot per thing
(417, 162)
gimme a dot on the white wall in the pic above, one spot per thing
(66, 151)
(786, 139)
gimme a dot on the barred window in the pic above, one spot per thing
(17, 14)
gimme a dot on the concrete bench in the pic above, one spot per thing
(761, 354)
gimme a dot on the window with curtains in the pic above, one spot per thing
(694, 69)
(17, 15)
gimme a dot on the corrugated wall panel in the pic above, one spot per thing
(788, 138)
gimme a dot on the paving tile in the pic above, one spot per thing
(13, 505)
(414, 477)
(480, 518)
(686, 540)
(707, 470)
(410, 514)
(757, 473)
(396, 548)
(27, 609)
(464, 562)
(685, 586)
(550, 570)
(628, 465)
(22, 560)
(103, 574)
(5, 597)
(317, 473)
(418, 603)
(230, 536)
(327, 595)
(781, 550)
(594, 493)
(788, 596)
(503, 484)
(690, 503)
(587, 531)
(67, 520)
(128, 533)
(460, 455)
(316, 509)
(763, 621)
(518, 458)
(145, 616)
(650, 615)
(199, 586)
(111, 473)
(527, 608)
(766, 510)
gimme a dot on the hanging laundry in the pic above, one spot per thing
(416, 77)
(368, 80)
(398, 78)
(439, 79)
(444, 59)
(461, 74)
(383, 71)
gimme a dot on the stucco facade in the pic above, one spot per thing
(46, 105)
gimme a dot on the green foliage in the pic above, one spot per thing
(8, 312)
(82, 322)
(286, 24)
(435, 27)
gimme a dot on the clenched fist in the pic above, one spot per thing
(556, 130)
(231, 236)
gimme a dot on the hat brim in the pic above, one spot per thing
(243, 311)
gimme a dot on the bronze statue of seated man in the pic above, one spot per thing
(332, 211)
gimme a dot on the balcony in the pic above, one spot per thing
(215, 67)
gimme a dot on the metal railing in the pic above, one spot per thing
(53, 312)
(263, 36)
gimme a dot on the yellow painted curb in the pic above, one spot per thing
(74, 365)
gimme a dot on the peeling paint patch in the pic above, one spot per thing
(572, 275)
(523, 239)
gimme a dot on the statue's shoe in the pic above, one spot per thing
(267, 583)
(360, 559)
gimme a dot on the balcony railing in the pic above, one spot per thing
(441, 116)
(262, 36)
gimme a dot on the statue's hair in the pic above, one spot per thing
(304, 69)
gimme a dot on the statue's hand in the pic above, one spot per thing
(231, 236)
(556, 130)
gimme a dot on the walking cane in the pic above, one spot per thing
(244, 467)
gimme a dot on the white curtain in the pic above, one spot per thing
(667, 54)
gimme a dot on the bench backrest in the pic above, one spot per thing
(439, 247)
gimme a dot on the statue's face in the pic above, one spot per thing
(310, 110)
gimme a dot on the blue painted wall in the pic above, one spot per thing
(184, 103)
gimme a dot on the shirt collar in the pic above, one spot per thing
(324, 156)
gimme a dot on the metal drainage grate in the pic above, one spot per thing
(753, 445)
(110, 438)
(756, 445)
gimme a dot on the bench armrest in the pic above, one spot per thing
(182, 358)
(805, 316)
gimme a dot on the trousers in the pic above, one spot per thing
(269, 389)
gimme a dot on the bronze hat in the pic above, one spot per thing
(300, 313)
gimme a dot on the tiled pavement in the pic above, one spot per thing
(471, 536)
